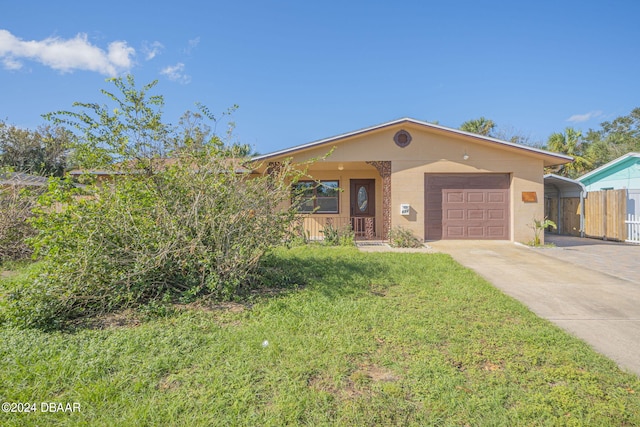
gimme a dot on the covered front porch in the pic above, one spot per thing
(317, 228)
(342, 196)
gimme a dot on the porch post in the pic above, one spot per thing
(384, 169)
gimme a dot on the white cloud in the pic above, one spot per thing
(579, 118)
(66, 55)
(11, 64)
(193, 43)
(151, 50)
(176, 73)
(120, 54)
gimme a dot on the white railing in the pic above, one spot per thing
(633, 229)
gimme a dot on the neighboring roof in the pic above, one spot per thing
(160, 163)
(97, 172)
(604, 168)
(565, 186)
(23, 179)
(157, 163)
(559, 158)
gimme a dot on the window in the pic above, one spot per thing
(318, 197)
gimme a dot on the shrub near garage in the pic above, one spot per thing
(400, 237)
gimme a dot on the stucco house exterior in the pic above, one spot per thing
(438, 182)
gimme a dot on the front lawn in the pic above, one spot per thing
(371, 339)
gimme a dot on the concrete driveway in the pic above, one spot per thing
(588, 287)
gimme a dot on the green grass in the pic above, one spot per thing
(373, 339)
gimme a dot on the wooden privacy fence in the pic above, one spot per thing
(568, 219)
(605, 215)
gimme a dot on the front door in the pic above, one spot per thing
(363, 206)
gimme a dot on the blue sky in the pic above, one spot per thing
(306, 70)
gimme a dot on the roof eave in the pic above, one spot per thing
(606, 166)
(559, 158)
(323, 141)
(564, 179)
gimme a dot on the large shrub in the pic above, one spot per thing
(197, 228)
(182, 216)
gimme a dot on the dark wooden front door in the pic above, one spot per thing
(363, 205)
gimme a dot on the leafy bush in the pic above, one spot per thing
(338, 236)
(193, 229)
(299, 236)
(15, 210)
(402, 238)
(162, 229)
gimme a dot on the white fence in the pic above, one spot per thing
(633, 229)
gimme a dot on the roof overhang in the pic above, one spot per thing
(550, 158)
(606, 166)
(561, 186)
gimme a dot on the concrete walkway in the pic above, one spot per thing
(564, 285)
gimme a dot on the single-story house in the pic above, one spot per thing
(622, 173)
(437, 182)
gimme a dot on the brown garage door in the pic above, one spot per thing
(467, 206)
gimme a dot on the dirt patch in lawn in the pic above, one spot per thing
(168, 384)
(7, 273)
(376, 373)
(357, 384)
(121, 319)
(224, 314)
(132, 318)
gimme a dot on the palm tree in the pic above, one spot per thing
(481, 126)
(570, 142)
